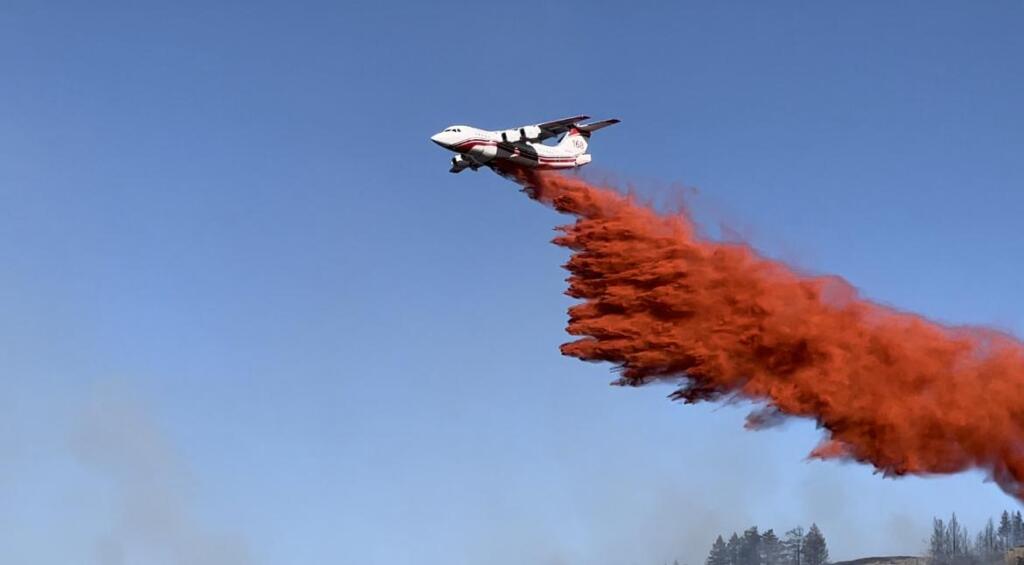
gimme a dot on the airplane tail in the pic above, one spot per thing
(576, 140)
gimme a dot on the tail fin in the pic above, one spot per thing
(576, 140)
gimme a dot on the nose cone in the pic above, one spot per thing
(438, 138)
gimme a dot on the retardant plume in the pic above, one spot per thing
(892, 389)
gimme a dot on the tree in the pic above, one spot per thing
(772, 551)
(950, 543)
(733, 549)
(1016, 529)
(815, 550)
(938, 552)
(1005, 530)
(750, 547)
(719, 554)
(987, 543)
(954, 538)
(794, 547)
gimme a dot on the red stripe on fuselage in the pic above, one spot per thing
(469, 144)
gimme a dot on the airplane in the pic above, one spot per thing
(505, 151)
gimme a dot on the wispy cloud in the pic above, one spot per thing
(154, 517)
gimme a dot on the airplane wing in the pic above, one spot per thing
(542, 131)
(558, 127)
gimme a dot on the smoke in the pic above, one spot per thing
(890, 389)
(116, 437)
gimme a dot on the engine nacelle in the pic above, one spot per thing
(461, 163)
(527, 133)
(530, 132)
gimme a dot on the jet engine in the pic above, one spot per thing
(461, 163)
(529, 132)
(526, 133)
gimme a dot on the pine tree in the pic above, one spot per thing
(815, 549)
(987, 544)
(719, 554)
(1004, 530)
(771, 549)
(957, 542)
(938, 552)
(1016, 529)
(794, 546)
(733, 549)
(750, 547)
(953, 535)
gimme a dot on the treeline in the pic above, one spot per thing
(756, 548)
(952, 544)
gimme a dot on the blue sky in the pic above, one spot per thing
(247, 316)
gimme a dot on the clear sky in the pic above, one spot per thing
(247, 316)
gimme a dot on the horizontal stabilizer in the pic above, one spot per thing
(591, 128)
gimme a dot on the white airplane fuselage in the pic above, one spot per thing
(475, 147)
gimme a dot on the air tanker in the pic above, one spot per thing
(504, 151)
